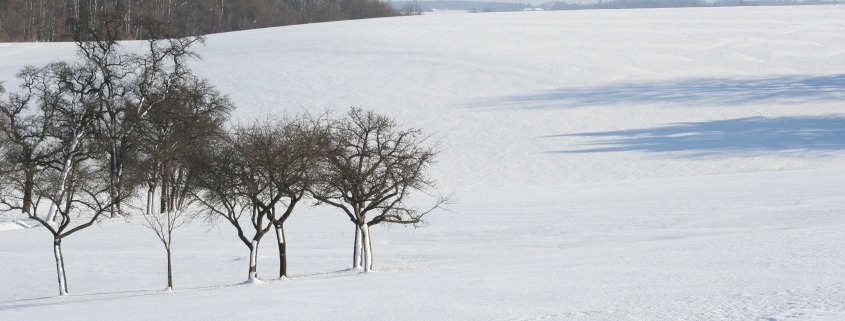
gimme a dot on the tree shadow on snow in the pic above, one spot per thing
(735, 137)
(74, 298)
(690, 92)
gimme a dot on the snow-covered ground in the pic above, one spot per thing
(665, 164)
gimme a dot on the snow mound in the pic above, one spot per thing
(6, 226)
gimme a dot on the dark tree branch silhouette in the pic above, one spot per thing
(371, 166)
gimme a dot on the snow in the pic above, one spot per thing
(5, 226)
(13, 222)
(659, 164)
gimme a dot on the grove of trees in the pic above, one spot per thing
(46, 20)
(80, 140)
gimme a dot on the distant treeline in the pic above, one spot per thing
(47, 20)
(480, 6)
(429, 6)
(633, 4)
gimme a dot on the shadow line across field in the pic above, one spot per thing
(736, 137)
(73, 298)
(687, 92)
(112, 295)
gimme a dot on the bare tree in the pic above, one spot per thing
(164, 224)
(129, 85)
(74, 186)
(411, 8)
(59, 102)
(223, 177)
(174, 135)
(280, 166)
(293, 170)
(86, 199)
(264, 169)
(370, 168)
(69, 121)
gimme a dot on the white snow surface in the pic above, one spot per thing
(660, 164)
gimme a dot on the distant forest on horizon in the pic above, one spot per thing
(490, 6)
(49, 20)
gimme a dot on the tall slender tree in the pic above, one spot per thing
(174, 135)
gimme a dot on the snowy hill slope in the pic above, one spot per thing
(666, 164)
(512, 90)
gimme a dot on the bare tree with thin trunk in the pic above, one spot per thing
(370, 168)
(164, 224)
(61, 106)
(86, 200)
(174, 135)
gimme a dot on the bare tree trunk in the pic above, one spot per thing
(116, 180)
(60, 188)
(164, 196)
(28, 186)
(113, 191)
(169, 270)
(60, 266)
(368, 248)
(115, 210)
(129, 17)
(283, 258)
(253, 262)
(169, 6)
(150, 199)
(356, 255)
(220, 18)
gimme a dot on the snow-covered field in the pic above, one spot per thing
(666, 164)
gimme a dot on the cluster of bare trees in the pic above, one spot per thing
(46, 20)
(362, 163)
(117, 132)
(81, 137)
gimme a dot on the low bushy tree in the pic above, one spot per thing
(370, 169)
(264, 169)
